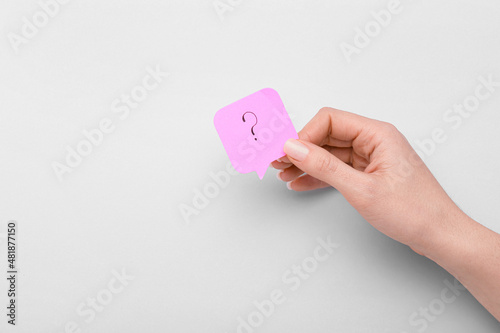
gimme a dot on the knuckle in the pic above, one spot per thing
(389, 128)
(390, 131)
(325, 109)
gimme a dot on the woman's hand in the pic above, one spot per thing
(372, 164)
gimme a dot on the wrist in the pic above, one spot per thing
(451, 239)
(443, 233)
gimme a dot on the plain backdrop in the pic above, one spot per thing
(119, 210)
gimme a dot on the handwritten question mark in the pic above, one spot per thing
(256, 121)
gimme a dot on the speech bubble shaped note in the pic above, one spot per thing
(254, 130)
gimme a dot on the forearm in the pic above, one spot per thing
(471, 253)
(373, 165)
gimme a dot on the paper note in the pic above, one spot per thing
(254, 130)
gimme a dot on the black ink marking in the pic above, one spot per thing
(256, 121)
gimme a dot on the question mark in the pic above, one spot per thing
(256, 121)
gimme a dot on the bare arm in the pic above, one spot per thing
(372, 164)
(471, 253)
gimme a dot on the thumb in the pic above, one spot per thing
(323, 165)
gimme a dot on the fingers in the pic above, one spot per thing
(346, 155)
(289, 174)
(349, 156)
(343, 154)
(342, 129)
(324, 166)
(280, 165)
(345, 141)
(328, 122)
(284, 159)
(306, 183)
(334, 128)
(288, 171)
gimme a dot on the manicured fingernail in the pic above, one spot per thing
(296, 150)
(279, 160)
(278, 175)
(289, 185)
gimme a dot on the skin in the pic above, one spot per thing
(374, 167)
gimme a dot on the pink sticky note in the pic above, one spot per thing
(254, 130)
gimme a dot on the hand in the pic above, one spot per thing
(372, 164)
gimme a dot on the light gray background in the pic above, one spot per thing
(120, 208)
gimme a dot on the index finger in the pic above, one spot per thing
(334, 128)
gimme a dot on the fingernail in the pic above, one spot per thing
(289, 186)
(296, 150)
(279, 160)
(278, 175)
